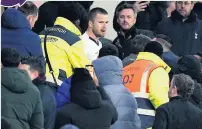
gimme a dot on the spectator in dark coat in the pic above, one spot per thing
(48, 12)
(21, 105)
(108, 70)
(191, 66)
(135, 46)
(184, 29)
(126, 29)
(168, 56)
(153, 14)
(198, 9)
(90, 107)
(4, 124)
(16, 30)
(179, 113)
(34, 66)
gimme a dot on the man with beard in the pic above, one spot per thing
(184, 29)
(126, 29)
(98, 20)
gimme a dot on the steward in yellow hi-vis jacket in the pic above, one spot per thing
(63, 49)
(147, 79)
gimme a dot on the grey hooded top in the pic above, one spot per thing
(108, 70)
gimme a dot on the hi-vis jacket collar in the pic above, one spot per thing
(154, 58)
(68, 25)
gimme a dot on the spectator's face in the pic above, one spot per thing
(33, 74)
(126, 19)
(32, 19)
(184, 7)
(99, 25)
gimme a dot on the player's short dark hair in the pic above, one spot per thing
(93, 12)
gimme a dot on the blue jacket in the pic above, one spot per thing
(108, 70)
(16, 33)
(171, 59)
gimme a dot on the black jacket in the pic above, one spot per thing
(196, 97)
(21, 104)
(123, 38)
(198, 9)
(178, 114)
(191, 66)
(47, 93)
(48, 12)
(186, 36)
(90, 108)
(154, 13)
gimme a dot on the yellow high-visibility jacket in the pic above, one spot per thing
(158, 81)
(65, 49)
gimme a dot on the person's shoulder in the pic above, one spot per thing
(115, 40)
(126, 61)
(142, 30)
(160, 70)
(199, 22)
(30, 35)
(148, 33)
(106, 106)
(45, 89)
(165, 22)
(70, 109)
(33, 91)
(34, 88)
(68, 36)
(164, 107)
(129, 59)
(120, 91)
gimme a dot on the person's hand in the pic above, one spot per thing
(93, 75)
(140, 5)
